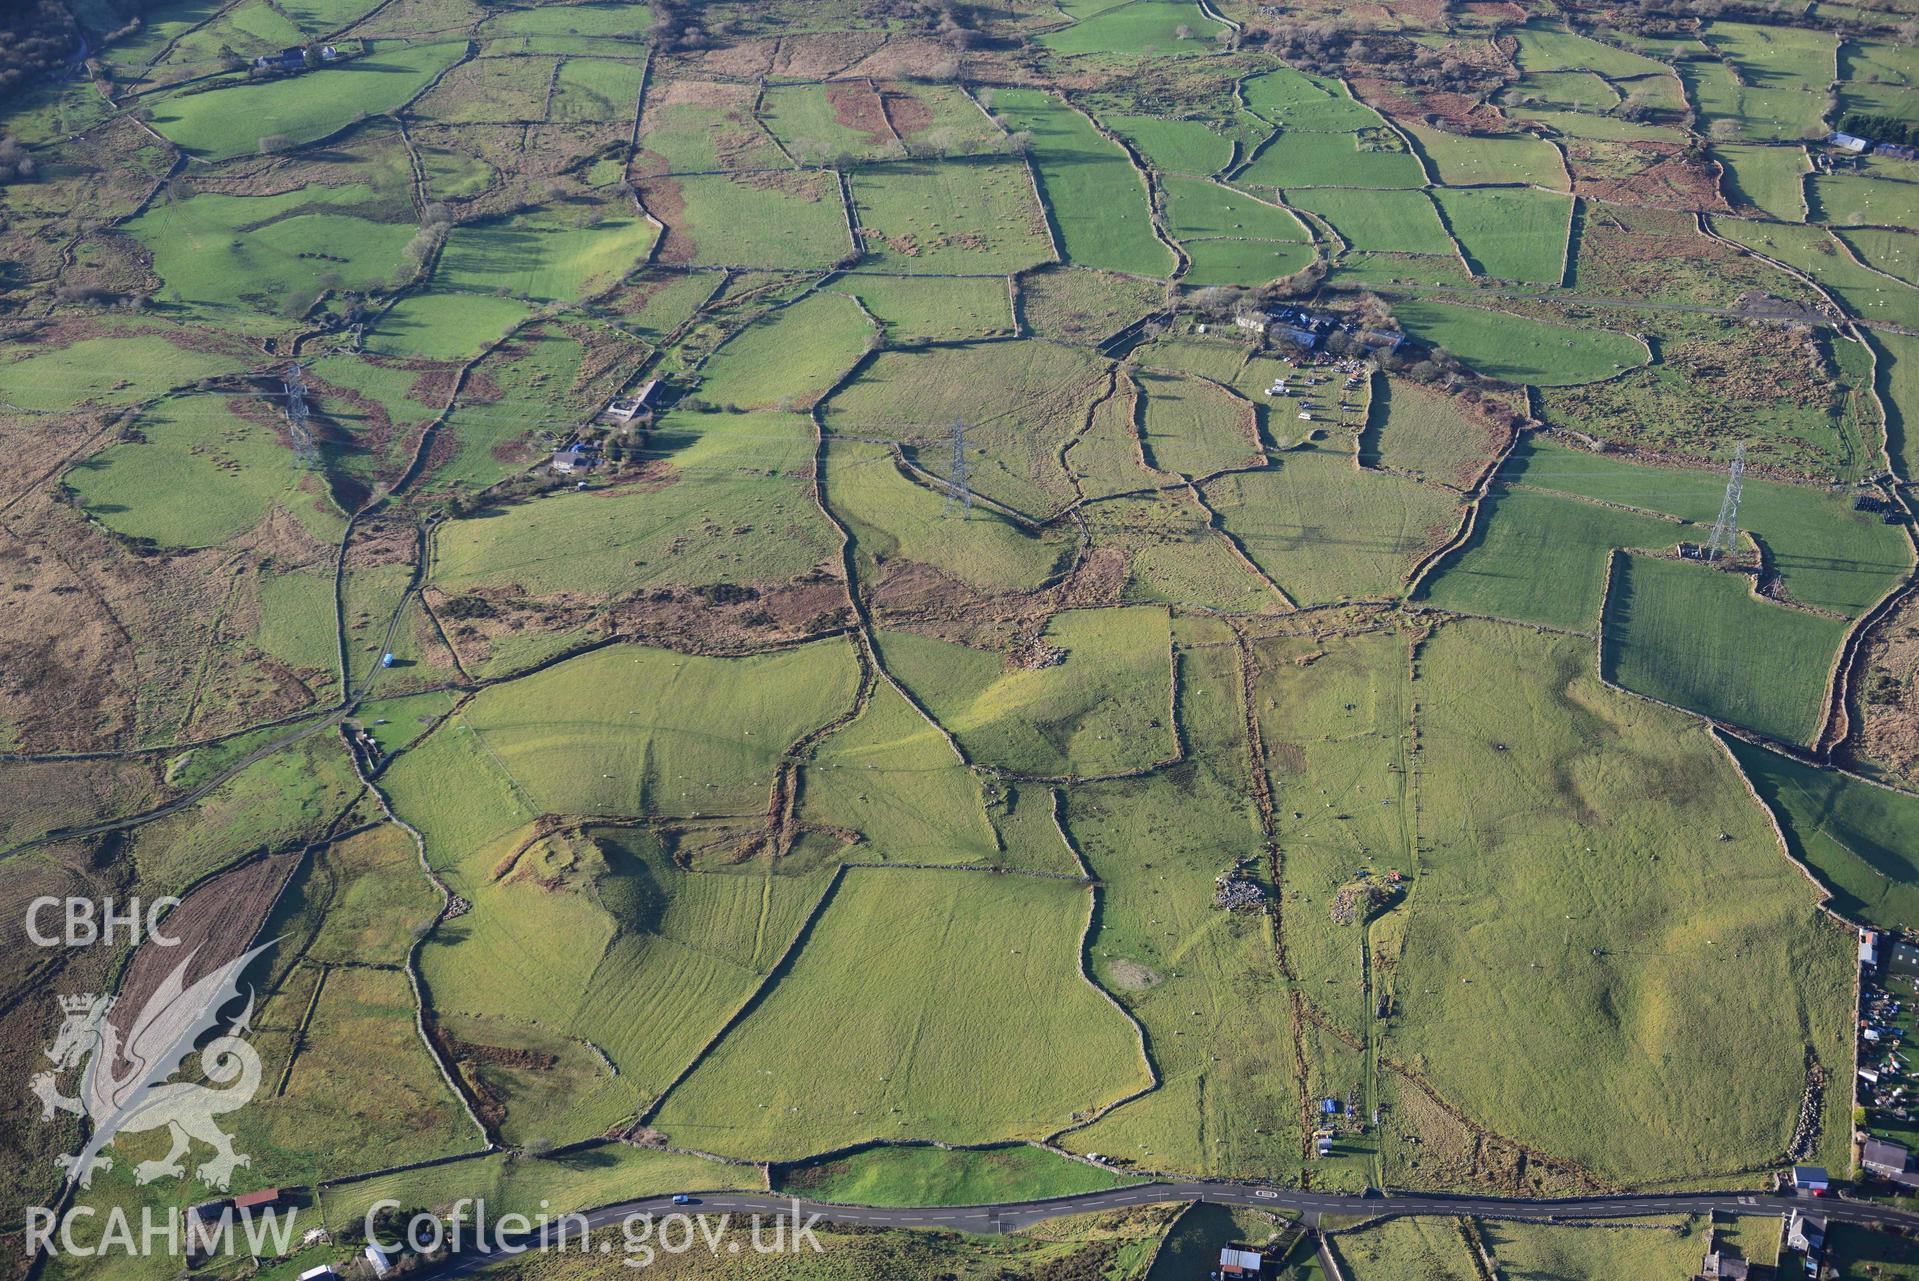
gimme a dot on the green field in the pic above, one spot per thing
(914, 310)
(1136, 27)
(1848, 831)
(790, 358)
(1373, 158)
(543, 260)
(956, 971)
(204, 470)
(815, 122)
(444, 325)
(1537, 785)
(1770, 179)
(945, 1176)
(797, 221)
(1020, 401)
(231, 119)
(228, 254)
(1510, 233)
(1394, 222)
(1459, 160)
(1520, 349)
(1541, 558)
(1826, 554)
(976, 216)
(1698, 637)
(896, 517)
(1089, 186)
(1325, 530)
(1100, 710)
(111, 370)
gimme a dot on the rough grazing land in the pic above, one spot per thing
(873, 599)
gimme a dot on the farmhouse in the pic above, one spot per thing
(1720, 1266)
(571, 459)
(1848, 142)
(1888, 1160)
(625, 410)
(1238, 1260)
(289, 59)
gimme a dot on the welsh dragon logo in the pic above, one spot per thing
(125, 1066)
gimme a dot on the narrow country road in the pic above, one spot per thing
(1014, 1215)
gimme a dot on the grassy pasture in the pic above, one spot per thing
(1894, 252)
(1335, 732)
(817, 122)
(956, 971)
(250, 254)
(1074, 304)
(1770, 179)
(933, 310)
(1759, 114)
(1511, 233)
(896, 518)
(1205, 983)
(969, 216)
(1639, 1247)
(519, 388)
(1137, 27)
(597, 89)
(892, 777)
(1019, 401)
(796, 222)
(1853, 835)
(789, 358)
(1537, 785)
(1855, 200)
(1410, 428)
(609, 543)
(1174, 556)
(361, 1075)
(1099, 711)
(1462, 160)
(1575, 90)
(1173, 146)
(944, 1176)
(542, 258)
(1194, 428)
(1697, 637)
(1814, 251)
(205, 470)
(1324, 529)
(1546, 46)
(1399, 222)
(1431, 1249)
(1222, 261)
(597, 20)
(230, 120)
(1520, 349)
(1199, 208)
(1541, 558)
(1375, 158)
(1319, 104)
(631, 730)
(441, 325)
(115, 370)
(939, 119)
(1097, 199)
(1826, 554)
(697, 126)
